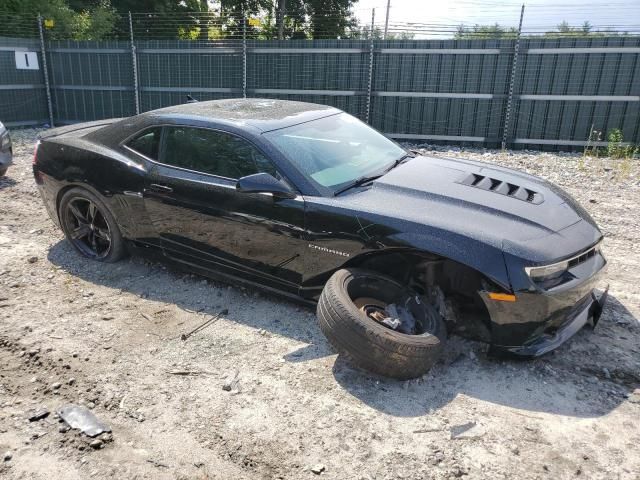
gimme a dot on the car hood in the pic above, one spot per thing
(493, 205)
(486, 188)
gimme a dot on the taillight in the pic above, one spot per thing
(35, 153)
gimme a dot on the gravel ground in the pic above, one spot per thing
(259, 394)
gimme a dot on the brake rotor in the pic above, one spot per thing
(372, 308)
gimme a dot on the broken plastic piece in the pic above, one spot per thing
(81, 418)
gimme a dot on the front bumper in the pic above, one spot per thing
(540, 321)
(588, 311)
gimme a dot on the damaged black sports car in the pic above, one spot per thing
(398, 250)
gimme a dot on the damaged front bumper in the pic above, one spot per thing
(540, 321)
(588, 311)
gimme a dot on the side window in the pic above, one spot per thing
(213, 152)
(147, 143)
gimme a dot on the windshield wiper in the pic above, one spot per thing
(358, 182)
(370, 178)
(400, 160)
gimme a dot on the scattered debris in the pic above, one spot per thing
(427, 430)
(318, 469)
(96, 444)
(467, 431)
(155, 463)
(204, 325)
(81, 418)
(231, 382)
(187, 373)
(39, 414)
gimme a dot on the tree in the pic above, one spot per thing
(563, 29)
(494, 31)
(94, 19)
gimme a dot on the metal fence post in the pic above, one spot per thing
(512, 78)
(244, 55)
(370, 79)
(134, 63)
(45, 71)
(386, 19)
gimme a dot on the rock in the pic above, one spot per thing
(227, 386)
(56, 386)
(39, 414)
(318, 469)
(606, 372)
(7, 456)
(96, 444)
(71, 381)
(32, 259)
(33, 352)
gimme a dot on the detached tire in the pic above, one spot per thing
(368, 343)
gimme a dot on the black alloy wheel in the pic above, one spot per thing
(90, 227)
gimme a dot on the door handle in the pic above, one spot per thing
(160, 188)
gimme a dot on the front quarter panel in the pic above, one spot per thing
(338, 236)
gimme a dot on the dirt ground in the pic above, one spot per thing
(260, 394)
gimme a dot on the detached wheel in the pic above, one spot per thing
(354, 314)
(90, 227)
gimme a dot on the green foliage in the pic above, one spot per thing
(485, 31)
(616, 147)
(562, 30)
(586, 30)
(95, 20)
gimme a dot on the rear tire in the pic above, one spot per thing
(90, 227)
(368, 343)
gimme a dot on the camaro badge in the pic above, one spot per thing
(329, 250)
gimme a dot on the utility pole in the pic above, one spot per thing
(386, 20)
(281, 6)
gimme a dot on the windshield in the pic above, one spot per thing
(335, 151)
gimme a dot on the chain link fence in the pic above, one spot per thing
(412, 81)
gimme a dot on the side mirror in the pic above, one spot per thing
(264, 183)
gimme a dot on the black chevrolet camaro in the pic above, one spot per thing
(398, 250)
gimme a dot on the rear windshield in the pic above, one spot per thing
(336, 150)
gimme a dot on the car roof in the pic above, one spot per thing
(262, 113)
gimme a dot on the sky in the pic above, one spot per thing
(540, 15)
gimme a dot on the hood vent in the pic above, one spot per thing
(503, 188)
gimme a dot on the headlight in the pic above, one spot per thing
(547, 272)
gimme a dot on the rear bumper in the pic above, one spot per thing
(588, 311)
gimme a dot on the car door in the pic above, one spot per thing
(191, 198)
